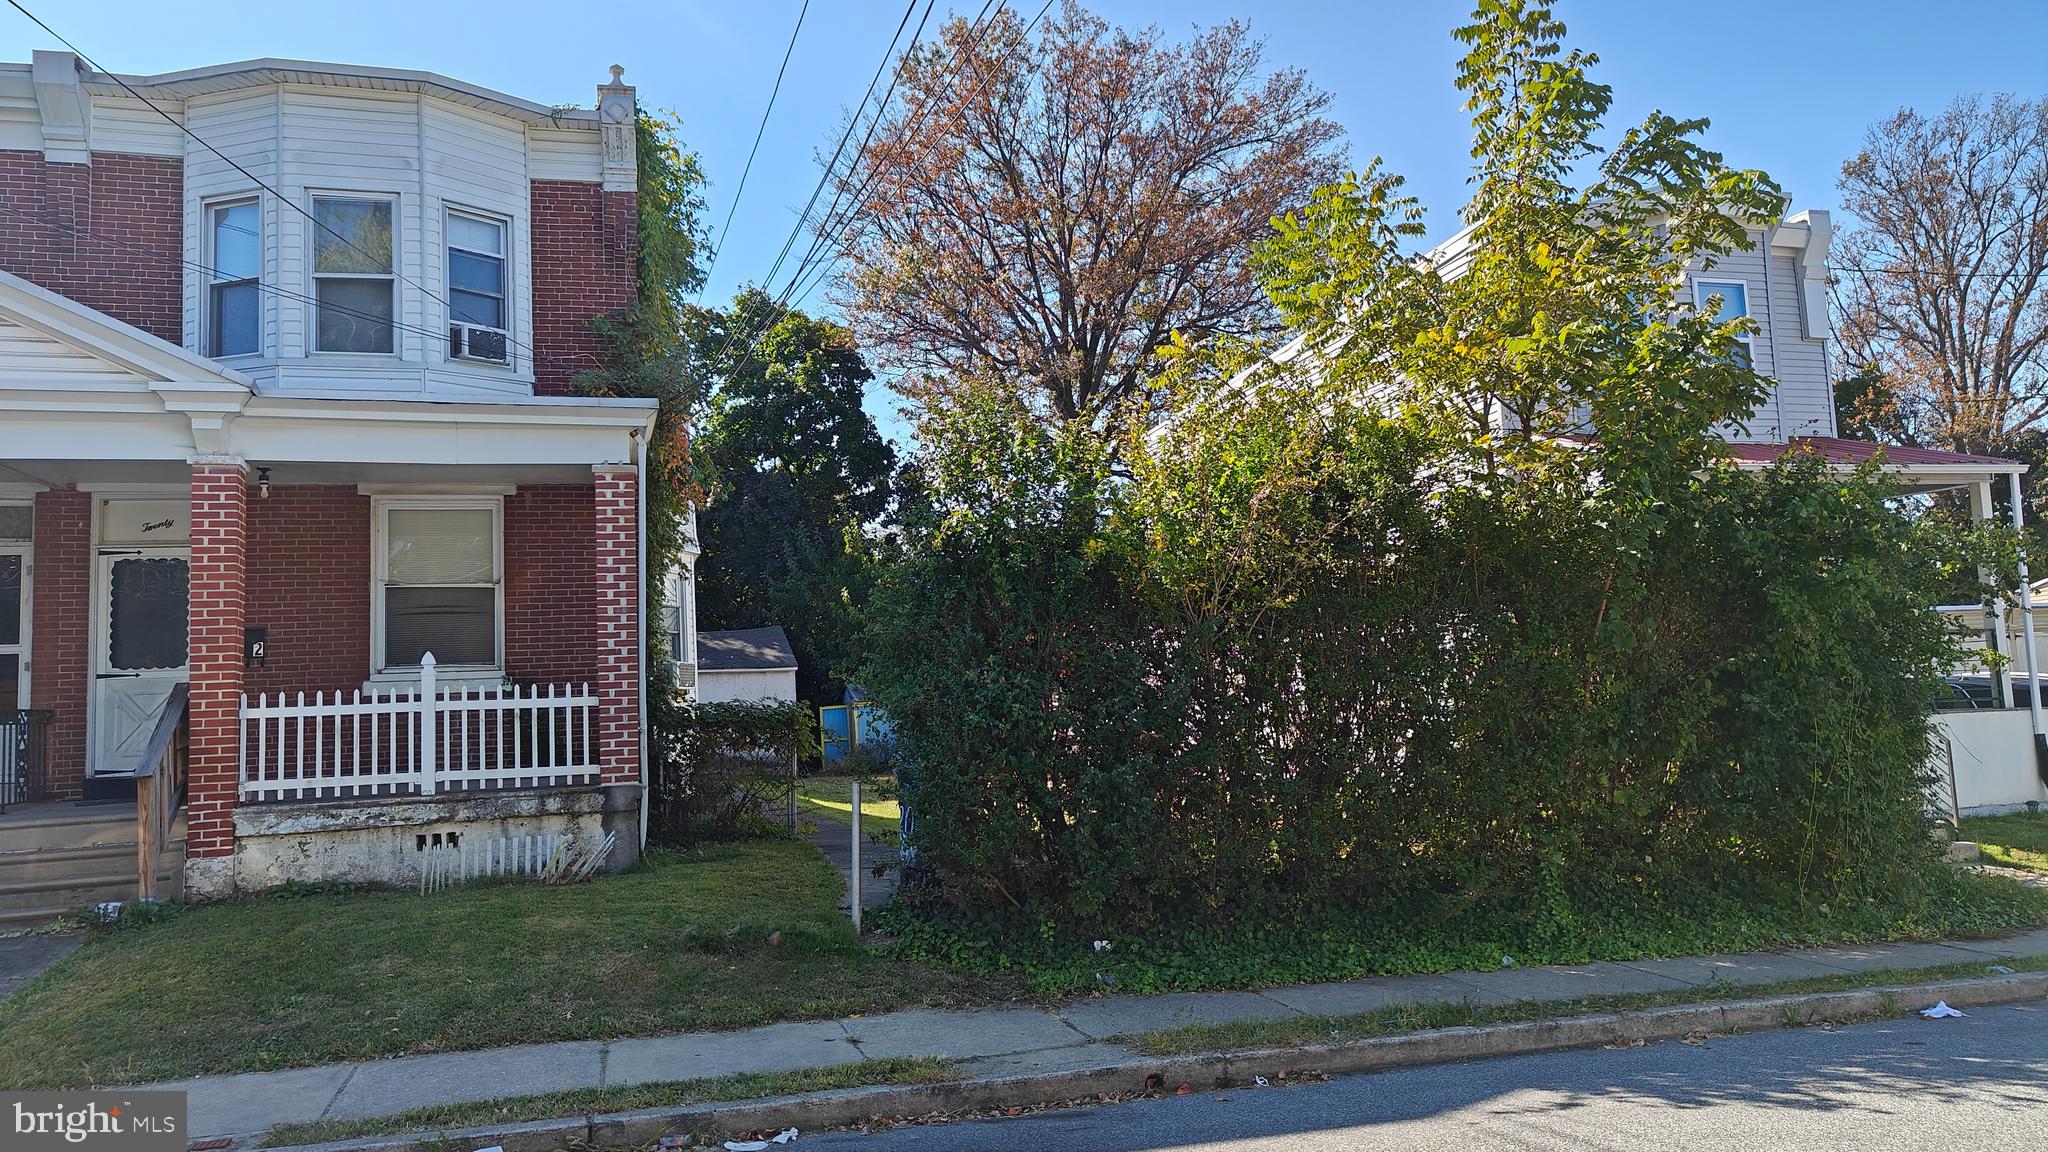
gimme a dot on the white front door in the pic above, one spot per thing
(138, 649)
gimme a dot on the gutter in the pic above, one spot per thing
(641, 438)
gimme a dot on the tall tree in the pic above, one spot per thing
(799, 473)
(1049, 213)
(1943, 290)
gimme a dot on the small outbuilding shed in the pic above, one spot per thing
(750, 664)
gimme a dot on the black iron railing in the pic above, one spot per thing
(24, 756)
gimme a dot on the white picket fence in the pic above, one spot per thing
(417, 739)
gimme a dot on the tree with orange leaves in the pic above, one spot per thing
(1044, 214)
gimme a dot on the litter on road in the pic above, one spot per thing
(1940, 1011)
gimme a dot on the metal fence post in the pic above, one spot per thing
(429, 736)
(854, 883)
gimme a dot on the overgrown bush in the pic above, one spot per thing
(1385, 645)
(724, 767)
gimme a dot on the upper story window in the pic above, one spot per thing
(476, 288)
(234, 315)
(353, 281)
(1734, 304)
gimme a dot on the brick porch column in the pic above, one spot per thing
(616, 554)
(218, 594)
(61, 631)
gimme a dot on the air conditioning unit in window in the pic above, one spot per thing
(476, 342)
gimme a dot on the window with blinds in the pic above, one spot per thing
(438, 588)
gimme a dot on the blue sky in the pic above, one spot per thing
(1790, 86)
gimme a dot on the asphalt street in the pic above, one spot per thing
(1977, 1082)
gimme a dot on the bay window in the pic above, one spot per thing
(476, 287)
(234, 316)
(353, 274)
(437, 586)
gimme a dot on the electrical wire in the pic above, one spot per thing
(755, 150)
(809, 264)
(845, 136)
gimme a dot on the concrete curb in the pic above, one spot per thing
(1210, 1070)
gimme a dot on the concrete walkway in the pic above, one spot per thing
(992, 1042)
(22, 958)
(835, 840)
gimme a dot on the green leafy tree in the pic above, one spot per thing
(649, 358)
(801, 476)
(1450, 621)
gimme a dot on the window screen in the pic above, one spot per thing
(146, 614)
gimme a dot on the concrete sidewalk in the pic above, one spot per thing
(993, 1043)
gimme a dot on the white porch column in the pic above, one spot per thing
(2027, 636)
(1981, 509)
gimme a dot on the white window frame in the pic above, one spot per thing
(26, 549)
(209, 321)
(314, 230)
(380, 566)
(504, 259)
(1701, 289)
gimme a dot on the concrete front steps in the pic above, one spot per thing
(59, 859)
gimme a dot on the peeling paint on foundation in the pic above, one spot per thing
(383, 841)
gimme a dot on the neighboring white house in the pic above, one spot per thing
(1998, 750)
(749, 664)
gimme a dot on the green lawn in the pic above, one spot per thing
(2018, 841)
(286, 979)
(831, 798)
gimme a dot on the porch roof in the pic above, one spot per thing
(81, 390)
(1918, 469)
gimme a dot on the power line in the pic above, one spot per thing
(845, 136)
(861, 193)
(817, 268)
(832, 164)
(251, 176)
(825, 225)
(758, 133)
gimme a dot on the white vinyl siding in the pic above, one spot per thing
(1806, 392)
(125, 124)
(31, 359)
(1803, 402)
(245, 128)
(428, 156)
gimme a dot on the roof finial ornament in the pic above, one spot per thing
(618, 73)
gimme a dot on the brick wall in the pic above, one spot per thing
(219, 584)
(61, 619)
(549, 583)
(584, 249)
(109, 235)
(309, 586)
(615, 560)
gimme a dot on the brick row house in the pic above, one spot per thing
(298, 497)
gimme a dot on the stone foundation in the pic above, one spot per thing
(384, 841)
